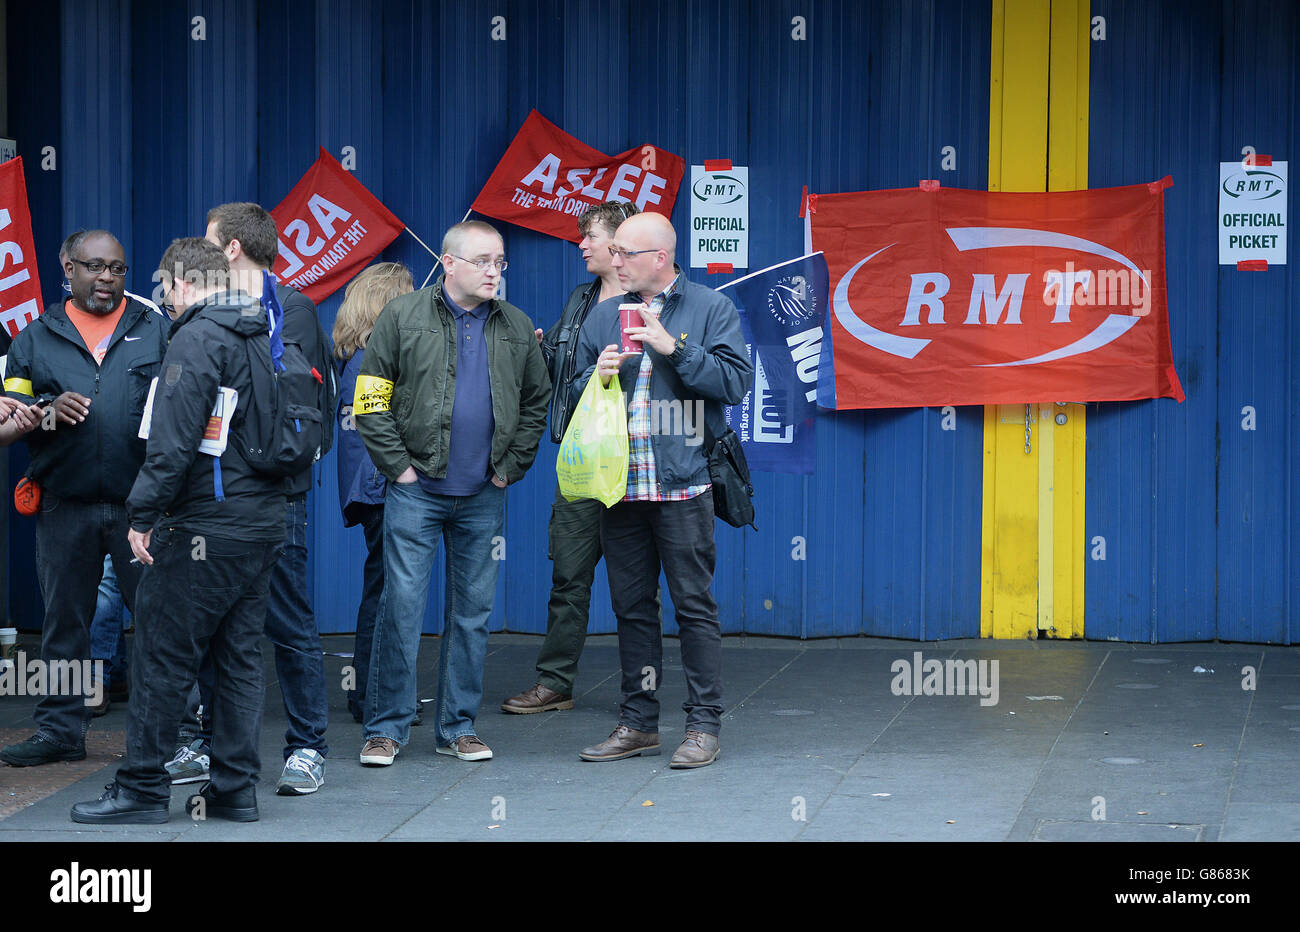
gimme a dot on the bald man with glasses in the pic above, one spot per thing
(692, 361)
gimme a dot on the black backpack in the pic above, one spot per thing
(287, 423)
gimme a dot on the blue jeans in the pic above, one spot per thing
(107, 629)
(413, 521)
(291, 627)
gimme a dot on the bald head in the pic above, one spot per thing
(100, 291)
(643, 254)
(648, 231)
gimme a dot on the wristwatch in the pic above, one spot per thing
(679, 351)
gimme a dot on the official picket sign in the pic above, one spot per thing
(719, 217)
(1252, 213)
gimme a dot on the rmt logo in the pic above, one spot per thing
(990, 291)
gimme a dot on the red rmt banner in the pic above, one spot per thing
(330, 226)
(547, 179)
(20, 283)
(950, 297)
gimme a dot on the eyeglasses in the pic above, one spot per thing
(615, 252)
(482, 264)
(95, 266)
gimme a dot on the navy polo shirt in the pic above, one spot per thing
(469, 453)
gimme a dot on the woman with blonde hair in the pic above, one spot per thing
(361, 485)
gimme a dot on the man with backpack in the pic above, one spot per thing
(208, 526)
(246, 233)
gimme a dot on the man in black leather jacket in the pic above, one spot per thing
(574, 528)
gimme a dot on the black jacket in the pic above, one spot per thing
(96, 460)
(176, 486)
(302, 324)
(560, 349)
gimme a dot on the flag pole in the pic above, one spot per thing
(431, 252)
(421, 242)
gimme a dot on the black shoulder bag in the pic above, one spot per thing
(733, 495)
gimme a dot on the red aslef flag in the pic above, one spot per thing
(20, 283)
(547, 178)
(330, 227)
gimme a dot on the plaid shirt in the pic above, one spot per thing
(642, 481)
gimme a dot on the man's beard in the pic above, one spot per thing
(98, 307)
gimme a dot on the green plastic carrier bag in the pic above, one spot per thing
(593, 455)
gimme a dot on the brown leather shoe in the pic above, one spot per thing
(537, 699)
(623, 742)
(698, 750)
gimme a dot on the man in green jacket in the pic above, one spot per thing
(450, 403)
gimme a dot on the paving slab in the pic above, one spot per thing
(819, 744)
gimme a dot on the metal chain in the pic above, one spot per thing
(1027, 422)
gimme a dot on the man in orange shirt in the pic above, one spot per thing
(88, 361)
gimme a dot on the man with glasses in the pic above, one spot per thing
(450, 403)
(89, 360)
(693, 359)
(574, 529)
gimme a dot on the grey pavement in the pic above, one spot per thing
(1087, 741)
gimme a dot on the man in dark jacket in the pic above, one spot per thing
(91, 358)
(573, 533)
(247, 235)
(450, 402)
(693, 361)
(209, 528)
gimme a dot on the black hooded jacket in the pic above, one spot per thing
(176, 486)
(96, 460)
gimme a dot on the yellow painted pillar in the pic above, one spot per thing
(1032, 534)
(1067, 170)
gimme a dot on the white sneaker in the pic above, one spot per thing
(190, 765)
(304, 772)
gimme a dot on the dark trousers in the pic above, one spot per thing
(291, 627)
(189, 605)
(372, 587)
(72, 538)
(640, 538)
(574, 549)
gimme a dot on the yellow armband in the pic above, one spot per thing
(373, 395)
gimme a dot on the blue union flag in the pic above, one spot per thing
(782, 311)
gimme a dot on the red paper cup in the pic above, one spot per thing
(629, 315)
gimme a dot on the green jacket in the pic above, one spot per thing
(407, 386)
